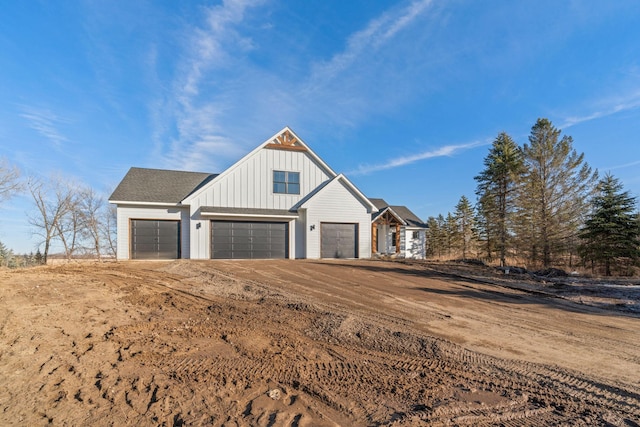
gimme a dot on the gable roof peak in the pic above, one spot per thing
(286, 139)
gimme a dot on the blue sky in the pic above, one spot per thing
(404, 97)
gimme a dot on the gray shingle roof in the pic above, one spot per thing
(379, 203)
(158, 185)
(403, 212)
(410, 218)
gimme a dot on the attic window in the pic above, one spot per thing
(286, 182)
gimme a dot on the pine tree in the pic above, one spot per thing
(611, 234)
(552, 197)
(451, 233)
(5, 255)
(497, 185)
(464, 217)
(431, 238)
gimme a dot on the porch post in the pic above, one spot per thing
(374, 238)
(397, 238)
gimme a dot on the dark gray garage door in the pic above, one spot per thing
(249, 240)
(338, 240)
(151, 239)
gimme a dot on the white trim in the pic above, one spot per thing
(255, 150)
(388, 208)
(244, 215)
(173, 205)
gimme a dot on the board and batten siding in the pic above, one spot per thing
(250, 183)
(337, 204)
(126, 213)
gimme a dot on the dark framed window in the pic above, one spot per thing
(285, 182)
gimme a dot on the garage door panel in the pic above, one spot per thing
(338, 240)
(249, 240)
(155, 239)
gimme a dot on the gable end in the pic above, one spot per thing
(286, 141)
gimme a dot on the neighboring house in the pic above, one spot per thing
(279, 201)
(397, 231)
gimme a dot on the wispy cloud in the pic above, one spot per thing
(197, 128)
(444, 151)
(623, 166)
(371, 38)
(46, 123)
(611, 107)
(201, 122)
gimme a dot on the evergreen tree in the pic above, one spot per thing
(5, 255)
(464, 217)
(431, 238)
(484, 230)
(451, 233)
(497, 185)
(611, 234)
(552, 200)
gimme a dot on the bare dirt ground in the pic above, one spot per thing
(309, 343)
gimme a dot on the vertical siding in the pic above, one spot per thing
(250, 184)
(126, 213)
(335, 203)
(200, 238)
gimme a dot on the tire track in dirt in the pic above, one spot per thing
(206, 347)
(333, 375)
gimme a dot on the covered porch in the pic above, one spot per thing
(386, 233)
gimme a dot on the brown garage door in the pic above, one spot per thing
(338, 240)
(155, 239)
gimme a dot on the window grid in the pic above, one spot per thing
(285, 182)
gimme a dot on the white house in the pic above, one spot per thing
(279, 201)
(396, 231)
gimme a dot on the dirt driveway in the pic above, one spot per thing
(304, 343)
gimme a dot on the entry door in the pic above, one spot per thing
(155, 239)
(249, 240)
(338, 240)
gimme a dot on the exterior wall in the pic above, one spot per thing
(200, 230)
(335, 203)
(409, 247)
(250, 183)
(125, 213)
(415, 248)
(301, 234)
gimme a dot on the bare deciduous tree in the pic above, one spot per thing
(91, 206)
(108, 228)
(9, 180)
(53, 200)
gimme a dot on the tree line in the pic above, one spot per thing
(65, 214)
(541, 204)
